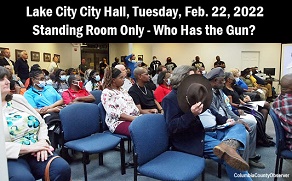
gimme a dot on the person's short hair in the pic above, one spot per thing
(179, 73)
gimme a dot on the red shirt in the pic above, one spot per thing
(69, 95)
(161, 91)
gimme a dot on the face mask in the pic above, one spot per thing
(237, 79)
(49, 82)
(79, 84)
(203, 72)
(63, 77)
(155, 59)
(97, 78)
(248, 76)
(168, 82)
(41, 84)
(250, 73)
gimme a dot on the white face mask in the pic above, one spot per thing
(155, 59)
(63, 77)
(237, 79)
(97, 78)
(248, 76)
(203, 72)
(250, 72)
(168, 81)
(49, 82)
(41, 84)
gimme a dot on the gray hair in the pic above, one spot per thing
(227, 75)
(179, 73)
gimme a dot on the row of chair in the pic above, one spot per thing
(87, 133)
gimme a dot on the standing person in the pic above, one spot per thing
(6, 59)
(197, 63)
(154, 65)
(282, 107)
(53, 65)
(131, 63)
(82, 67)
(118, 104)
(217, 80)
(187, 134)
(219, 62)
(170, 66)
(103, 64)
(142, 96)
(116, 62)
(21, 67)
(27, 143)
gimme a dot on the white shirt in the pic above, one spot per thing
(127, 84)
(52, 67)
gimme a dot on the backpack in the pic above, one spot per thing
(55, 131)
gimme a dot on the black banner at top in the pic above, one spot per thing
(224, 21)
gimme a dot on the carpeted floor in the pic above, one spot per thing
(110, 171)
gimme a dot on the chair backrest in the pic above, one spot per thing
(102, 113)
(150, 137)
(97, 96)
(279, 130)
(79, 120)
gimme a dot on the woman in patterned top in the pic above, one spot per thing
(26, 139)
(118, 104)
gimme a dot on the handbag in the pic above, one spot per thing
(47, 170)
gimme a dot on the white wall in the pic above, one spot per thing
(68, 56)
(184, 53)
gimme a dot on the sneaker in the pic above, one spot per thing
(256, 164)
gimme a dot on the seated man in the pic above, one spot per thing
(217, 80)
(282, 107)
(182, 110)
(142, 96)
(76, 91)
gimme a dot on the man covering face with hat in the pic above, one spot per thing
(192, 95)
(216, 79)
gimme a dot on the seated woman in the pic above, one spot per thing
(26, 139)
(93, 81)
(60, 81)
(164, 86)
(76, 92)
(44, 99)
(236, 99)
(118, 104)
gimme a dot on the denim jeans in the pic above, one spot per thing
(213, 139)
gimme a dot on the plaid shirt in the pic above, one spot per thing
(283, 108)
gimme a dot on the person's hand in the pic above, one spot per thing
(153, 111)
(231, 122)
(240, 121)
(43, 110)
(197, 108)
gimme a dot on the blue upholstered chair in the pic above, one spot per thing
(106, 129)
(81, 128)
(97, 96)
(152, 156)
(281, 150)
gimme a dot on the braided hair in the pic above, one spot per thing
(109, 74)
(34, 72)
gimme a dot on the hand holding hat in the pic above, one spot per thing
(192, 90)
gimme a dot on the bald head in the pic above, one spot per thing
(286, 86)
(138, 71)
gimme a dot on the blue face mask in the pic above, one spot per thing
(49, 82)
(63, 77)
(41, 84)
(97, 78)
